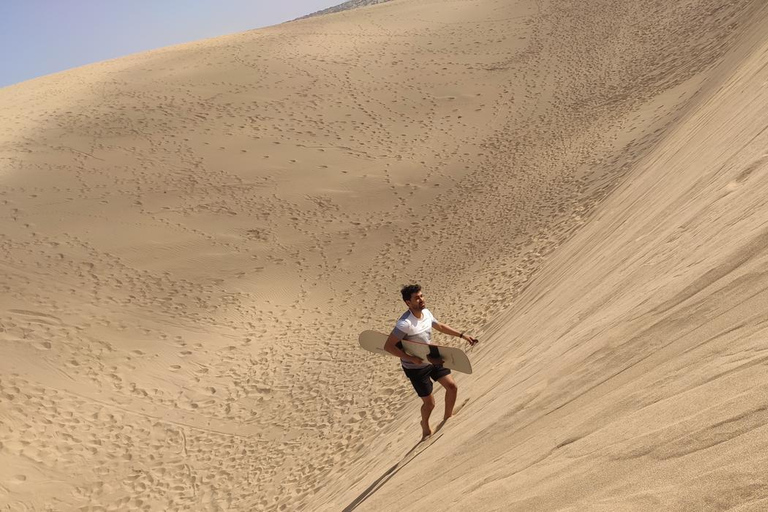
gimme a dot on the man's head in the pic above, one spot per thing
(413, 297)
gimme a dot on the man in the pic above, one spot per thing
(416, 324)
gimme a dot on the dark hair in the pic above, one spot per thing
(409, 290)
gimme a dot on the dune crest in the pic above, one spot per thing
(193, 237)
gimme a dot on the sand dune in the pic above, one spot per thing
(193, 237)
(345, 6)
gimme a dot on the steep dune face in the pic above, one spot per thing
(193, 237)
(630, 375)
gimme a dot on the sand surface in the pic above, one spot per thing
(193, 237)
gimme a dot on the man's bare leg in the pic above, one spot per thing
(426, 411)
(451, 392)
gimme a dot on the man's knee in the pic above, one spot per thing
(429, 402)
(449, 385)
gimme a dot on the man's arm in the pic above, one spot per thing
(447, 329)
(391, 347)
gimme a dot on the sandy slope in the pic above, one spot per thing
(191, 239)
(631, 374)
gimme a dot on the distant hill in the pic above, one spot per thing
(351, 4)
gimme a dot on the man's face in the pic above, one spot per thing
(417, 301)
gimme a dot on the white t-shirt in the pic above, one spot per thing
(409, 327)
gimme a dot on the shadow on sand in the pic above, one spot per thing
(407, 458)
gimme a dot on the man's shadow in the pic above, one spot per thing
(414, 452)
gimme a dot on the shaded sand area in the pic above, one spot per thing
(193, 237)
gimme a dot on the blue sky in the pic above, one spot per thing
(39, 37)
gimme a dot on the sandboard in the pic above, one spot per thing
(455, 358)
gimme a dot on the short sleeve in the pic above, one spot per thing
(399, 330)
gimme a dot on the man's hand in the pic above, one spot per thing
(437, 361)
(472, 341)
(415, 360)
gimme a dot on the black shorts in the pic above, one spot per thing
(420, 378)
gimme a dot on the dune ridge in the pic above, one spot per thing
(193, 237)
(345, 6)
